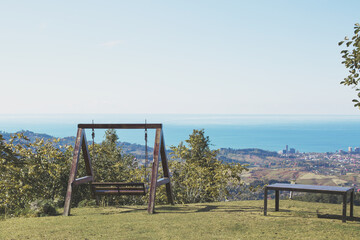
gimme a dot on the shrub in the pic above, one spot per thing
(43, 208)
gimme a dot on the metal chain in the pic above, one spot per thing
(93, 139)
(146, 152)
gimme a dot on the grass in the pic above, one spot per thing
(225, 220)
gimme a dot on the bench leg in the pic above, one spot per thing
(265, 201)
(344, 208)
(277, 196)
(352, 204)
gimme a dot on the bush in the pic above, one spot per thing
(87, 203)
(43, 208)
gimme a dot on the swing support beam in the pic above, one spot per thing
(159, 154)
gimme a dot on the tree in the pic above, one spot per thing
(198, 176)
(31, 171)
(351, 56)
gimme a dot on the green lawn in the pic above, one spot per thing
(230, 220)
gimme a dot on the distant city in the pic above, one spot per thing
(288, 150)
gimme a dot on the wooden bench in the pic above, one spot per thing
(313, 189)
(118, 188)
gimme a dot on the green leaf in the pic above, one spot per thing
(340, 43)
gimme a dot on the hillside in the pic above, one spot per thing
(221, 220)
(243, 156)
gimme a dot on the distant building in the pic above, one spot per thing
(287, 151)
(357, 150)
(350, 150)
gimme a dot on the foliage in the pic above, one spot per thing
(43, 208)
(36, 172)
(31, 171)
(351, 56)
(198, 176)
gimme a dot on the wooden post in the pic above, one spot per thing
(344, 207)
(154, 173)
(78, 143)
(87, 158)
(277, 199)
(265, 201)
(352, 203)
(166, 170)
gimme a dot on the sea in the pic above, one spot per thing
(304, 133)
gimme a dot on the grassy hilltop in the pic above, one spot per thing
(221, 220)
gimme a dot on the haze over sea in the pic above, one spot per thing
(305, 133)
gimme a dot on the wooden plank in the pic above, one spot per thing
(86, 155)
(162, 181)
(154, 173)
(121, 192)
(265, 200)
(344, 208)
(82, 180)
(119, 126)
(309, 188)
(305, 190)
(166, 171)
(277, 200)
(73, 170)
(352, 203)
(116, 184)
(118, 188)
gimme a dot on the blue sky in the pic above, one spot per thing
(184, 57)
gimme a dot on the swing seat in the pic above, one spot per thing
(118, 188)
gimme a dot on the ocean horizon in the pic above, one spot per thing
(305, 133)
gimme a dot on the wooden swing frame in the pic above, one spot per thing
(159, 153)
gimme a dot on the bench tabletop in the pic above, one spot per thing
(310, 188)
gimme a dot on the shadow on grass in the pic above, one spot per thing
(339, 217)
(294, 214)
(119, 210)
(207, 208)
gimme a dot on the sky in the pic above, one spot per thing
(175, 57)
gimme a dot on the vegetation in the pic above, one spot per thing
(351, 56)
(30, 172)
(199, 176)
(220, 220)
(34, 174)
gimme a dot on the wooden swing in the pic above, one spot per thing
(119, 188)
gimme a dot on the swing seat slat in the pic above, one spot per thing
(118, 188)
(116, 184)
(120, 192)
